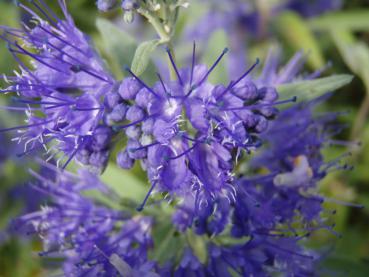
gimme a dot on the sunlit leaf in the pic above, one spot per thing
(217, 42)
(298, 35)
(198, 246)
(307, 90)
(119, 45)
(124, 183)
(355, 20)
(168, 245)
(142, 56)
(355, 53)
(8, 18)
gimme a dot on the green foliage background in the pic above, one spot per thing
(341, 37)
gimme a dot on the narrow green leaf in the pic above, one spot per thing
(345, 264)
(351, 20)
(355, 53)
(307, 90)
(119, 46)
(217, 42)
(142, 56)
(9, 17)
(124, 183)
(168, 245)
(296, 33)
(198, 246)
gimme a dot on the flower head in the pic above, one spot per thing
(63, 90)
(91, 237)
(189, 132)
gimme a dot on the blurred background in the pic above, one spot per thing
(338, 36)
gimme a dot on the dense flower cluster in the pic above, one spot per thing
(93, 239)
(62, 91)
(188, 133)
(192, 138)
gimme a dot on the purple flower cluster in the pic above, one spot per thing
(258, 257)
(192, 138)
(62, 92)
(189, 133)
(94, 240)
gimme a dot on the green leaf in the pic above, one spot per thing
(296, 33)
(355, 53)
(168, 245)
(124, 183)
(217, 42)
(307, 90)
(9, 17)
(198, 246)
(17, 258)
(351, 20)
(345, 265)
(142, 56)
(119, 46)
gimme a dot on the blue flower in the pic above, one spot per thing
(261, 257)
(289, 193)
(63, 92)
(92, 238)
(189, 132)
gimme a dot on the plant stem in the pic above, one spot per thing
(155, 22)
(164, 32)
(361, 118)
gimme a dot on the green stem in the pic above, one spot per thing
(361, 118)
(165, 34)
(155, 22)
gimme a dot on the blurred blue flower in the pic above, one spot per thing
(92, 238)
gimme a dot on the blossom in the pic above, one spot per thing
(260, 257)
(193, 139)
(295, 160)
(255, 256)
(62, 92)
(188, 132)
(91, 237)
